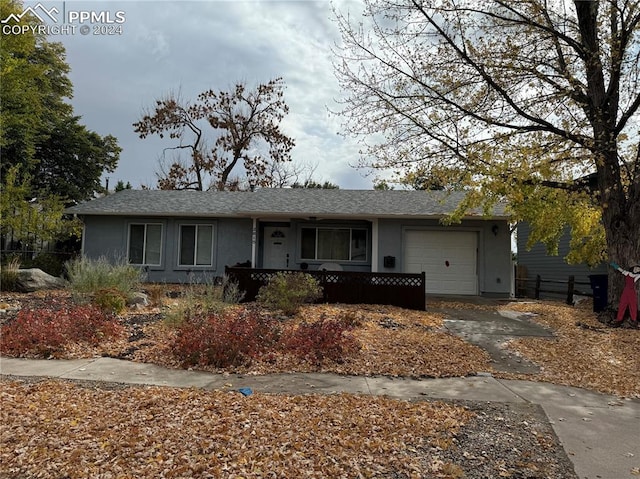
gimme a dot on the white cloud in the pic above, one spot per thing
(192, 46)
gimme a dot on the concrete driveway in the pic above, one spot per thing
(490, 330)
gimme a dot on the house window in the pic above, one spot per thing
(145, 244)
(196, 245)
(336, 244)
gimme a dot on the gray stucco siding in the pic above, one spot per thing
(104, 236)
(234, 242)
(108, 236)
(497, 258)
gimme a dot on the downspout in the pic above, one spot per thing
(82, 240)
(254, 238)
(374, 245)
(83, 234)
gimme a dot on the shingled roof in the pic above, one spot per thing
(296, 202)
(162, 203)
(349, 203)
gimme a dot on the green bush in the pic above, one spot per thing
(288, 291)
(49, 263)
(197, 300)
(110, 300)
(87, 277)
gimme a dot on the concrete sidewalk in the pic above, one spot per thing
(600, 433)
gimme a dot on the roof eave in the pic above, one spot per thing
(156, 214)
(321, 215)
(284, 215)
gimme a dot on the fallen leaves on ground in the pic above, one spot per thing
(58, 429)
(399, 342)
(394, 342)
(584, 352)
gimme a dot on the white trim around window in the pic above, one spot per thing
(342, 244)
(196, 245)
(145, 241)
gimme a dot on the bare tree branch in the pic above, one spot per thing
(246, 125)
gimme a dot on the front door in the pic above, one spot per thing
(276, 251)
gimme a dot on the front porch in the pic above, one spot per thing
(351, 287)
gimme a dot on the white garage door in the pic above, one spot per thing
(448, 258)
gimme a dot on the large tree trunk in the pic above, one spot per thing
(619, 201)
(621, 220)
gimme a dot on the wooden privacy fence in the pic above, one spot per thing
(353, 287)
(567, 289)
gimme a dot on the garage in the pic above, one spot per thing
(448, 258)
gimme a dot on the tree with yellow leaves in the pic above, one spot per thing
(536, 101)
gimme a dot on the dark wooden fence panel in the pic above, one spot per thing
(404, 290)
(568, 289)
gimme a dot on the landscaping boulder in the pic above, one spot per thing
(138, 300)
(35, 279)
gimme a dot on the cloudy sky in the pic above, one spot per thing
(193, 46)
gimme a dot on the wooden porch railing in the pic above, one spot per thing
(352, 287)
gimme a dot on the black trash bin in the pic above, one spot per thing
(600, 286)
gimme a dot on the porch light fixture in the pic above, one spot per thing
(494, 230)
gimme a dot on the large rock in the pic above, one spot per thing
(35, 279)
(138, 300)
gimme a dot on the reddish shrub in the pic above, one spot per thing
(45, 331)
(323, 339)
(225, 340)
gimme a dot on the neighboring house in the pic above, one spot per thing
(536, 261)
(177, 236)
